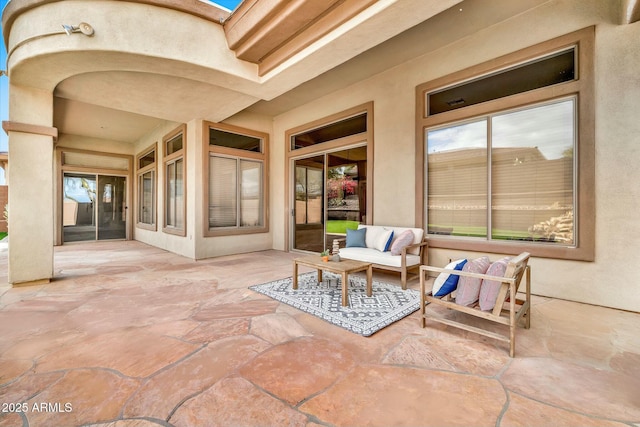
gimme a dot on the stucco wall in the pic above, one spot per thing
(207, 247)
(178, 244)
(194, 245)
(4, 199)
(617, 142)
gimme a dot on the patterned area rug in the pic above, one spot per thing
(364, 315)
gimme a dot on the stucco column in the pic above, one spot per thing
(31, 185)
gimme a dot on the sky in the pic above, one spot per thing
(549, 127)
(4, 80)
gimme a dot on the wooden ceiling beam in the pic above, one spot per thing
(630, 11)
(268, 32)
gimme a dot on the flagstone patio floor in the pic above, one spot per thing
(131, 335)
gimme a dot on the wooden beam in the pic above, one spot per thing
(630, 11)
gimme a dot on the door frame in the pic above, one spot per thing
(325, 176)
(62, 168)
(361, 139)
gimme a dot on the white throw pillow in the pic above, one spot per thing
(383, 240)
(372, 236)
(451, 280)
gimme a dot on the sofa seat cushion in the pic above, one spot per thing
(376, 257)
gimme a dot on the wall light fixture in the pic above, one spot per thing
(82, 27)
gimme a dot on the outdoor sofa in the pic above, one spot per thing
(399, 249)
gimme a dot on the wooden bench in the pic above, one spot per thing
(507, 311)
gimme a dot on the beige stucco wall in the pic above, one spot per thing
(612, 279)
(182, 245)
(224, 245)
(79, 142)
(194, 245)
(31, 181)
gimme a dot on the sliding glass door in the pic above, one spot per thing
(329, 197)
(93, 207)
(111, 208)
(309, 204)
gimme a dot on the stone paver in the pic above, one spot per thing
(591, 391)
(192, 376)
(394, 396)
(236, 402)
(298, 369)
(135, 353)
(81, 396)
(525, 412)
(449, 353)
(133, 336)
(277, 328)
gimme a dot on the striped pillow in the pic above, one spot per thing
(490, 288)
(469, 287)
(403, 240)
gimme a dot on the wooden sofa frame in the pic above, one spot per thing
(507, 311)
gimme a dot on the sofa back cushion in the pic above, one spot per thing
(377, 237)
(418, 233)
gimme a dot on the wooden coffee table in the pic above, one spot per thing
(343, 267)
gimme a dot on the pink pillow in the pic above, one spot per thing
(403, 240)
(469, 287)
(490, 288)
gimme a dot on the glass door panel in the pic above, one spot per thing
(346, 192)
(309, 204)
(78, 207)
(93, 207)
(111, 208)
(330, 197)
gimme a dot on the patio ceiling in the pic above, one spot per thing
(280, 54)
(104, 92)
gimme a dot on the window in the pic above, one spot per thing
(546, 71)
(146, 175)
(175, 204)
(506, 176)
(512, 170)
(340, 129)
(235, 189)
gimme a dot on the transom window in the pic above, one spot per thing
(340, 129)
(546, 71)
(220, 138)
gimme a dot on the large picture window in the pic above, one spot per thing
(146, 177)
(510, 170)
(174, 179)
(236, 180)
(506, 176)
